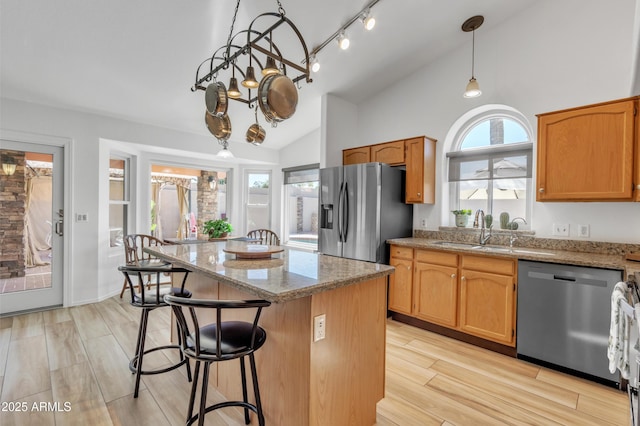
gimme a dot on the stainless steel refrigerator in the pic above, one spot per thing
(361, 206)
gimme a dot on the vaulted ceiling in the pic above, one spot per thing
(136, 60)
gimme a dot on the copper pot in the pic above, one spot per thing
(215, 97)
(256, 134)
(277, 97)
(219, 126)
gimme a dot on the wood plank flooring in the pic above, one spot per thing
(80, 356)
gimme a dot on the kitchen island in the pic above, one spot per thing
(334, 381)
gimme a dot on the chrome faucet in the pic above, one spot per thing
(480, 216)
(513, 238)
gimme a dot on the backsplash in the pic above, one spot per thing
(528, 239)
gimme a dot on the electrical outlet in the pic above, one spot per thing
(560, 229)
(423, 223)
(319, 327)
(82, 217)
(583, 231)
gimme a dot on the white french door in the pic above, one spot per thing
(31, 250)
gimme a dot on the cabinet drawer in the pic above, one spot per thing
(437, 257)
(402, 252)
(489, 264)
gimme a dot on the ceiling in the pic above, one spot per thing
(136, 60)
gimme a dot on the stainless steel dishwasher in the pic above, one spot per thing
(564, 313)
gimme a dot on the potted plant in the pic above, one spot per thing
(462, 216)
(218, 228)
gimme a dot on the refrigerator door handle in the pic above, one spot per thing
(340, 212)
(346, 215)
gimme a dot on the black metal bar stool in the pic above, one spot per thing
(149, 300)
(220, 341)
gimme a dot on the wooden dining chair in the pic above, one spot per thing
(136, 256)
(265, 236)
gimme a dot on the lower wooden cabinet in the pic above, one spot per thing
(475, 295)
(400, 286)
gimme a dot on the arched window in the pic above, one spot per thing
(490, 165)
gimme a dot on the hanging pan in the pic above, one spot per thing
(219, 126)
(277, 97)
(255, 133)
(215, 97)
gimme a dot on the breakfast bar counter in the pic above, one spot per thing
(336, 380)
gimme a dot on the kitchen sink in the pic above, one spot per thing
(490, 249)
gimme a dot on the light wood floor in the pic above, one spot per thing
(80, 356)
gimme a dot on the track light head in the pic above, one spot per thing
(343, 41)
(368, 20)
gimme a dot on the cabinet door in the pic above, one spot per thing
(586, 154)
(436, 293)
(421, 174)
(391, 153)
(487, 306)
(356, 155)
(636, 180)
(400, 284)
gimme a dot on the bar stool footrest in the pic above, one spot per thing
(134, 361)
(224, 404)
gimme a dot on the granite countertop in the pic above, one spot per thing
(599, 260)
(288, 275)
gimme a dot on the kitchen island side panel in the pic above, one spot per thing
(338, 380)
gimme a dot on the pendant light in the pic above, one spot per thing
(233, 92)
(470, 25)
(224, 152)
(270, 66)
(250, 81)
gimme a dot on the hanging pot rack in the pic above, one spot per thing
(231, 53)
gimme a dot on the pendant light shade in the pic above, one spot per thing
(473, 89)
(470, 25)
(270, 67)
(250, 79)
(233, 92)
(224, 152)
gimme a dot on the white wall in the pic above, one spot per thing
(554, 55)
(305, 150)
(339, 129)
(92, 275)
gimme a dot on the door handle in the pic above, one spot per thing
(59, 228)
(340, 212)
(346, 216)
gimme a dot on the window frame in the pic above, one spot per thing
(286, 172)
(489, 152)
(127, 190)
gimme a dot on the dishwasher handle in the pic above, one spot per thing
(584, 280)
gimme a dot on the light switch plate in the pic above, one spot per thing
(583, 231)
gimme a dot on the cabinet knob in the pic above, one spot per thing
(541, 190)
(453, 275)
(419, 194)
(638, 187)
(463, 278)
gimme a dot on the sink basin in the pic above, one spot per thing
(450, 244)
(490, 249)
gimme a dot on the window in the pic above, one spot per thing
(119, 199)
(258, 200)
(490, 166)
(301, 205)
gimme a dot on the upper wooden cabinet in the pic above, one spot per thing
(420, 157)
(417, 154)
(356, 155)
(587, 153)
(391, 153)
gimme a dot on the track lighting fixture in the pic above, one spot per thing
(470, 25)
(341, 37)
